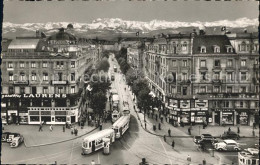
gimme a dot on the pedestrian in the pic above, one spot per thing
(238, 130)
(173, 143)
(189, 158)
(134, 107)
(148, 114)
(93, 162)
(72, 130)
(229, 129)
(161, 119)
(154, 127)
(204, 162)
(100, 126)
(63, 128)
(152, 115)
(66, 124)
(164, 138)
(76, 132)
(189, 131)
(169, 132)
(125, 89)
(159, 126)
(145, 125)
(156, 117)
(51, 128)
(40, 128)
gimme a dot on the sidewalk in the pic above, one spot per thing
(34, 138)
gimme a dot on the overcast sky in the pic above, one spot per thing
(86, 12)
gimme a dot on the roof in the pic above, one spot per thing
(209, 41)
(121, 121)
(5, 43)
(61, 35)
(24, 44)
(229, 141)
(99, 135)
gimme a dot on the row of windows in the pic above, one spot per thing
(172, 47)
(217, 63)
(45, 64)
(45, 90)
(228, 104)
(229, 76)
(246, 47)
(229, 89)
(216, 49)
(45, 77)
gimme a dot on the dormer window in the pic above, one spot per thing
(242, 46)
(184, 46)
(216, 49)
(202, 49)
(229, 49)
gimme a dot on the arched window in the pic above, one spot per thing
(243, 46)
(184, 46)
(202, 49)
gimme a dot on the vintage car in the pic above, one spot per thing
(17, 141)
(230, 135)
(5, 136)
(227, 145)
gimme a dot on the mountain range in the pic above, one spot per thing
(118, 27)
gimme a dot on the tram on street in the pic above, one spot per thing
(249, 156)
(121, 126)
(96, 141)
(115, 115)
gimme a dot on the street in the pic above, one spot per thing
(136, 144)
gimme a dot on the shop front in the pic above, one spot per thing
(227, 118)
(198, 117)
(184, 117)
(243, 118)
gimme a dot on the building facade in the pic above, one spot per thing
(210, 79)
(42, 79)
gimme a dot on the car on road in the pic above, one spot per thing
(230, 135)
(5, 136)
(196, 139)
(8, 136)
(227, 145)
(112, 77)
(17, 141)
(204, 138)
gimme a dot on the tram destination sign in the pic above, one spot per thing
(34, 96)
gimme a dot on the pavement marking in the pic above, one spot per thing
(165, 151)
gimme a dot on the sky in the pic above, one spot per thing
(86, 12)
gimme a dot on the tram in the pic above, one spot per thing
(249, 156)
(95, 141)
(121, 125)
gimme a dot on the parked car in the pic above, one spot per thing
(227, 145)
(17, 141)
(207, 138)
(112, 77)
(196, 139)
(5, 136)
(11, 136)
(230, 135)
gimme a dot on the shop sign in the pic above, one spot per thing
(23, 114)
(35, 96)
(201, 103)
(173, 103)
(201, 113)
(185, 104)
(224, 110)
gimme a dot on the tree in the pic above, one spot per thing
(106, 53)
(98, 102)
(144, 100)
(98, 86)
(103, 65)
(131, 76)
(138, 85)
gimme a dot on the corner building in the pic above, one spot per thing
(42, 79)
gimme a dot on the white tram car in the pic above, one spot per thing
(121, 126)
(95, 141)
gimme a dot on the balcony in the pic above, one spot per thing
(217, 81)
(26, 82)
(203, 69)
(64, 82)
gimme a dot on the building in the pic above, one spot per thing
(210, 79)
(42, 79)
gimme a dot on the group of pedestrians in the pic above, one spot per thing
(41, 126)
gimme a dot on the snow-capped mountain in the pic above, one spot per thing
(124, 26)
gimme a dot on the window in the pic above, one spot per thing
(11, 90)
(226, 104)
(184, 63)
(21, 64)
(22, 76)
(44, 64)
(243, 46)
(72, 76)
(61, 64)
(22, 90)
(45, 77)
(230, 76)
(184, 91)
(256, 104)
(230, 63)
(203, 89)
(33, 65)
(203, 76)
(203, 49)
(45, 90)
(184, 76)
(217, 63)
(256, 89)
(202, 63)
(216, 89)
(11, 76)
(72, 89)
(229, 89)
(174, 63)
(184, 46)
(243, 62)
(242, 89)
(243, 76)
(229, 49)
(10, 65)
(216, 75)
(241, 104)
(60, 90)
(33, 76)
(215, 104)
(216, 49)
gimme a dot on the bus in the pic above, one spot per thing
(95, 141)
(121, 125)
(115, 115)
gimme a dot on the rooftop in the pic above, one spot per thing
(24, 44)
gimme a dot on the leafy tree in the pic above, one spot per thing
(98, 102)
(138, 85)
(131, 76)
(144, 99)
(105, 53)
(103, 65)
(98, 86)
